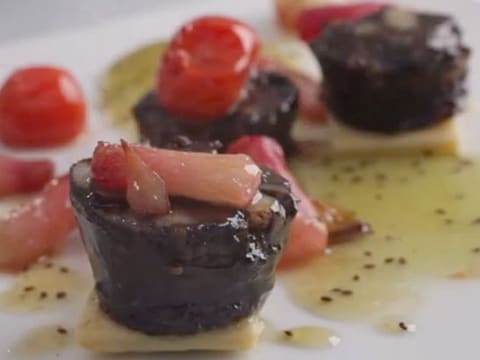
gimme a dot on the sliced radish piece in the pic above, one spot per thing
(268, 152)
(309, 235)
(311, 22)
(230, 180)
(38, 228)
(308, 239)
(20, 177)
(146, 190)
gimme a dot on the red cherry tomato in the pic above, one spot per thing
(311, 22)
(41, 106)
(203, 71)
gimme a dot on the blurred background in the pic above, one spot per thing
(24, 18)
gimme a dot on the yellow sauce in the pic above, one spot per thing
(43, 286)
(127, 80)
(312, 337)
(426, 219)
(42, 341)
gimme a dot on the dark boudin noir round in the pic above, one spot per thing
(268, 106)
(197, 268)
(393, 71)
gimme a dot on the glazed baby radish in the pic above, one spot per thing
(37, 228)
(308, 236)
(41, 106)
(20, 176)
(266, 151)
(205, 67)
(312, 21)
(230, 180)
(146, 190)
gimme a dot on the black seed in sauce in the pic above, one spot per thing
(466, 162)
(336, 290)
(402, 261)
(440, 211)
(288, 333)
(389, 260)
(62, 331)
(347, 292)
(348, 169)
(476, 221)
(48, 265)
(356, 278)
(43, 295)
(476, 250)
(403, 326)
(369, 266)
(326, 299)
(380, 177)
(335, 178)
(64, 269)
(367, 253)
(356, 179)
(28, 288)
(61, 295)
(363, 163)
(428, 153)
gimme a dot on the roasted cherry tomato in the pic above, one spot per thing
(203, 71)
(312, 21)
(41, 106)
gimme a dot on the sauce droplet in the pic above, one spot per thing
(310, 337)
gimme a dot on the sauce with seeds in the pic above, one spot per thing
(422, 230)
(43, 286)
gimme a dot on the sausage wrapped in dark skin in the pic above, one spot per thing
(393, 71)
(201, 267)
(268, 106)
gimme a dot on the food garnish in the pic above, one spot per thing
(203, 70)
(311, 22)
(40, 107)
(309, 235)
(38, 228)
(146, 190)
(23, 176)
(230, 180)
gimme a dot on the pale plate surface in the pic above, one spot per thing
(448, 315)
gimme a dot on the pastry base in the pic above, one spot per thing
(97, 332)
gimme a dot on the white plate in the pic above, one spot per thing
(448, 317)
